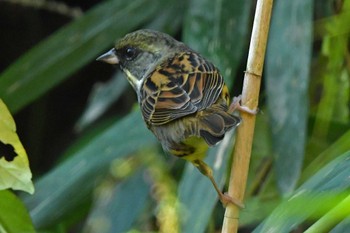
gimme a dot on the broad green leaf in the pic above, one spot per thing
(342, 227)
(67, 185)
(331, 218)
(71, 47)
(118, 206)
(14, 166)
(287, 77)
(220, 36)
(218, 30)
(14, 217)
(338, 147)
(314, 198)
(101, 97)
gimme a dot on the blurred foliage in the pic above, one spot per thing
(288, 112)
(13, 215)
(98, 169)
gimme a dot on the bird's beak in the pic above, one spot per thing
(109, 57)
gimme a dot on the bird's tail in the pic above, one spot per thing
(212, 127)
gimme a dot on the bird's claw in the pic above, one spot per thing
(227, 200)
(236, 105)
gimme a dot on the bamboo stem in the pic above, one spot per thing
(250, 97)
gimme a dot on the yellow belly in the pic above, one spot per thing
(193, 148)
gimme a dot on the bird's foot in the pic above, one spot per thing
(227, 200)
(236, 105)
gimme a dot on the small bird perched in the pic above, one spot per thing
(183, 98)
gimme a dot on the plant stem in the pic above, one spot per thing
(250, 97)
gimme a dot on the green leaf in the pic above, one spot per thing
(342, 227)
(287, 78)
(101, 97)
(14, 166)
(340, 146)
(219, 36)
(14, 217)
(71, 47)
(218, 30)
(314, 198)
(64, 187)
(118, 206)
(333, 217)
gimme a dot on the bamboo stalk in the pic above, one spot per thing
(250, 97)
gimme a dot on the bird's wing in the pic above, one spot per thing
(180, 86)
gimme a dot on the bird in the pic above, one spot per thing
(183, 98)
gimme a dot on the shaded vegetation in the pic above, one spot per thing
(97, 168)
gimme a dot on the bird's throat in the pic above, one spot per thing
(135, 83)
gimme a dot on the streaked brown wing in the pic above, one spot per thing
(166, 103)
(181, 86)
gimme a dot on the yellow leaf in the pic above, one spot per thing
(14, 166)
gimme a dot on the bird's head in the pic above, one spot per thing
(139, 52)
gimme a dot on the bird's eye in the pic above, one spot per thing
(129, 53)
